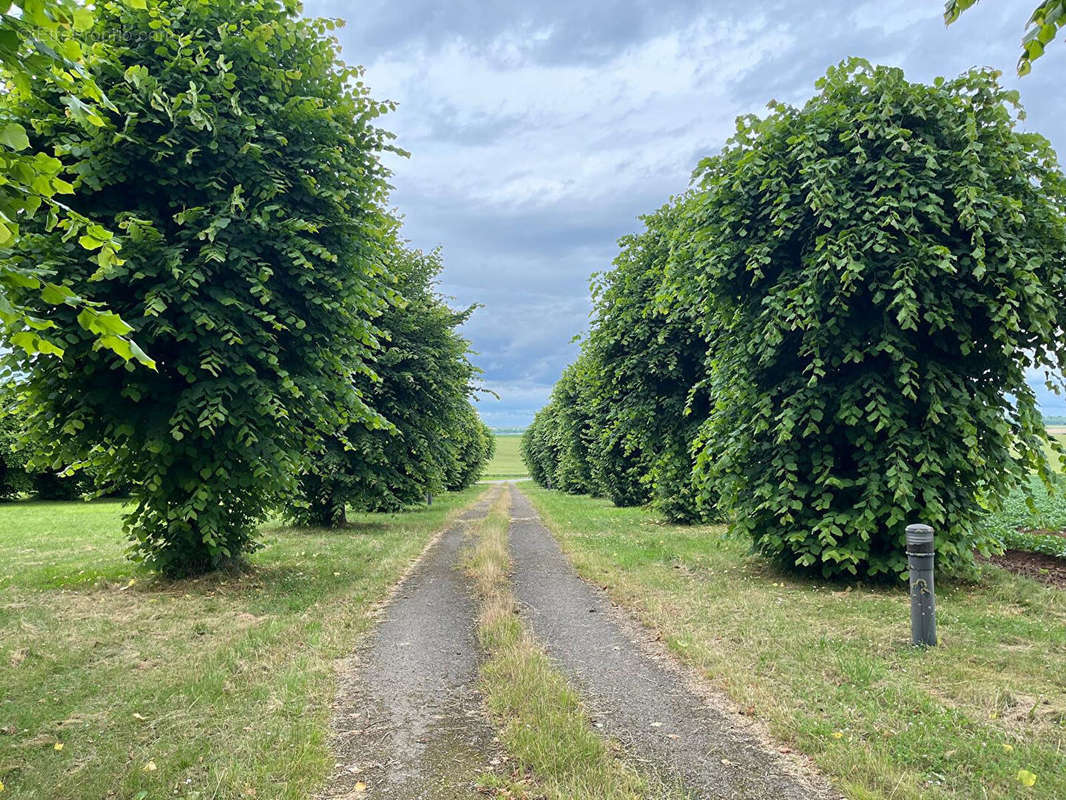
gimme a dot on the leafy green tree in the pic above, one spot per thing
(472, 445)
(648, 355)
(624, 417)
(540, 446)
(39, 48)
(878, 271)
(556, 446)
(14, 479)
(243, 167)
(423, 379)
(1041, 29)
(574, 401)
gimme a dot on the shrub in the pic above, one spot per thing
(243, 168)
(878, 271)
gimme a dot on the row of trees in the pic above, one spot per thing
(829, 336)
(281, 347)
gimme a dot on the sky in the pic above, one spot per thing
(540, 131)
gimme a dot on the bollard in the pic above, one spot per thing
(923, 595)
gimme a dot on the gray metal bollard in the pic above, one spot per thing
(920, 556)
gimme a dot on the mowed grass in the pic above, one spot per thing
(114, 684)
(830, 669)
(507, 463)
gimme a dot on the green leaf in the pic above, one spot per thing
(55, 294)
(14, 136)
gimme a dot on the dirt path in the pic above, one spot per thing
(633, 689)
(409, 722)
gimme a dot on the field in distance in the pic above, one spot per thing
(507, 463)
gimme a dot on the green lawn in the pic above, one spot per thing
(830, 668)
(507, 463)
(118, 685)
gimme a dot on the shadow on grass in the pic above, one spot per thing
(356, 527)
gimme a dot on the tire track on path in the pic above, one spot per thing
(409, 722)
(634, 691)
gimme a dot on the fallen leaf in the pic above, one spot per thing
(57, 746)
(1008, 748)
(360, 788)
(1026, 777)
(150, 767)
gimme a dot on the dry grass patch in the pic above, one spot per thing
(542, 723)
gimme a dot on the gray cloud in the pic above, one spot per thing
(539, 132)
(509, 33)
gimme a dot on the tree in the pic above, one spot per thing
(556, 446)
(243, 167)
(423, 379)
(472, 445)
(540, 447)
(574, 419)
(1041, 29)
(39, 49)
(623, 418)
(648, 355)
(14, 479)
(878, 271)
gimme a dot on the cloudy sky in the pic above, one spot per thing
(539, 131)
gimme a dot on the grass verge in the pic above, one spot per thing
(116, 685)
(830, 668)
(542, 724)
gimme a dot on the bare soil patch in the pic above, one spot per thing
(1039, 567)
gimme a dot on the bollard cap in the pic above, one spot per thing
(920, 538)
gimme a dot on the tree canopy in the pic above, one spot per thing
(421, 384)
(623, 418)
(40, 51)
(242, 164)
(849, 303)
